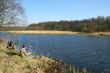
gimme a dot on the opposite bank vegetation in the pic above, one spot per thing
(98, 24)
(95, 26)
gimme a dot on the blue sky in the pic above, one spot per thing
(56, 10)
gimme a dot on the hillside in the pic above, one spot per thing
(98, 24)
(10, 62)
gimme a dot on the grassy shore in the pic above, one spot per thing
(11, 62)
(44, 32)
(58, 32)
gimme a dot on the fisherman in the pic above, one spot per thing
(10, 45)
(23, 52)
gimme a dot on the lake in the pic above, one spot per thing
(79, 50)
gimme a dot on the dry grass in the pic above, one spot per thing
(11, 62)
(58, 32)
(2, 43)
(43, 32)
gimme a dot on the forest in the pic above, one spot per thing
(98, 24)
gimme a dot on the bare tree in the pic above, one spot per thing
(11, 12)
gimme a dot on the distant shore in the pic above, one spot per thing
(43, 32)
(57, 32)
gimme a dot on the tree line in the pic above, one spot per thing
(98, 24)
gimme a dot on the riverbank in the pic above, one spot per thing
(11, 62)
(58, 32)
(43, 32)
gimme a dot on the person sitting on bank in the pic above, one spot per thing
(10, 45)
(23, 52)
